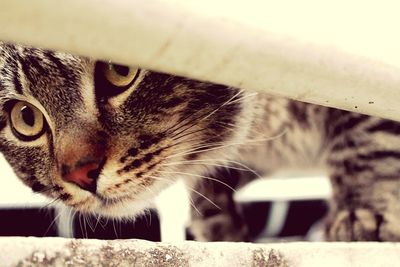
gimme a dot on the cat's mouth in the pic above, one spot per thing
(122, 206)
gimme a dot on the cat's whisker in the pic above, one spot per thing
(82, 223)
(188, 133)
(114, 227)
(208, 199)
(194, 151)
(185, 127)
(193, 148)
(222, 105)
(103, 223)
(234, 127)
(85, 224)
(213, 112)
(199, 176)
(244, 96)
(98, 221)
(54, 201)
(72, 215)
(107, 221)
(219, 145)
(191, 201)
(89, 223)
(191, 118)
(52, 223)
(84, 233)
(145, 217)
(229, 128)
(202, 163)
(189, 188)
(205, 162)
(184, 141)
(46, 189)
(223, 160)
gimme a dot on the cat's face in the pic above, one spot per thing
(104, 138)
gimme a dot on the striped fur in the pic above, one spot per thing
(359, 153)
(168, 126)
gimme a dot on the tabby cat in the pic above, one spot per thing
(105, 139)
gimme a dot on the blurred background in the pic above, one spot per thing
(286, 207)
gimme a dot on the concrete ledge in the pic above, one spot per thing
(21, 251)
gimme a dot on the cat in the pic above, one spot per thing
(104, 138)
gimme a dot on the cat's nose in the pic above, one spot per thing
(84, 175)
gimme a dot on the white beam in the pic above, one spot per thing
(341, 53)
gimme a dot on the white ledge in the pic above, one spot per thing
(20, 251)
(342, 54)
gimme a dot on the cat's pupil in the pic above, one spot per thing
(28, 116)
(121, 70)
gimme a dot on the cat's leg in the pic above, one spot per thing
(366, 194)
(371, 215)
(214, 214)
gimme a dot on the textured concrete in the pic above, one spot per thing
(20, 251)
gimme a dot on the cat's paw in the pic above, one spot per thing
(220, 227)
(363, 225)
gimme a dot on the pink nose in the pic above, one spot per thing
(85, 176)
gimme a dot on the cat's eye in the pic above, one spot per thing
(113, 79)
(27, 121)
(119, 75)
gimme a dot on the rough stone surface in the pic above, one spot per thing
(21, 252)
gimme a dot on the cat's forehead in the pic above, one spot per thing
(54, 79)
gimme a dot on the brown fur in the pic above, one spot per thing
(164, 126)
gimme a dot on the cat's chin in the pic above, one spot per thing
(117, 208)
(123, 209)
